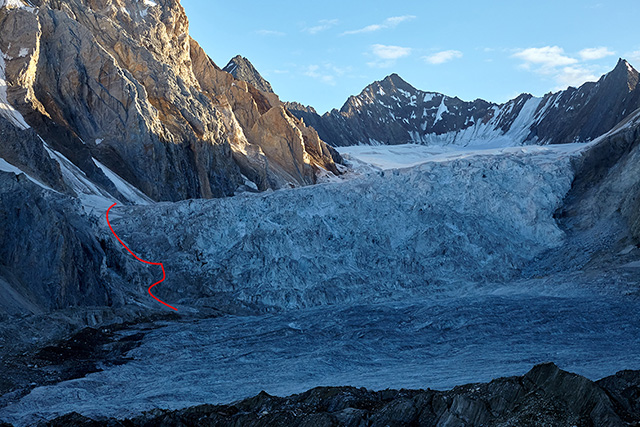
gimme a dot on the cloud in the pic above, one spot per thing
(633, 57)
(565, 70)
(326, 73)
(547, 57)
(396, 20)
(323, 25)
(391, 22)
(594, 53)
(442, 57)
(270, 33)
(314, 71)
(390, 52)
(386, 56)
(574, 76)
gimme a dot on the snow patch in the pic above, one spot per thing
(441, 110)
(8, 167)
(90, 195)
(9, 4)
(519, 130)
(629, 67)
(132, 194)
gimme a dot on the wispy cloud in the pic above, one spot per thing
(574, 76)
(314, 71)
(391, 22)
(270, 33)
(566, 70)
(546, 58)
(323, 25)
(442, 57)
(633, 57)
(386, 55)
(390, 52)
(326, 73)
(591, 54)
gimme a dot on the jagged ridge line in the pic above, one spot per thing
(141, 260)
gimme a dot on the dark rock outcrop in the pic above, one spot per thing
(544, 396)
(392, 111)
(50, 257)
(607, 183)
(23, 149)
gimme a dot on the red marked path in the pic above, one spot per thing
(141, 260)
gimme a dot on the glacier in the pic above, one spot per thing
(433, 275)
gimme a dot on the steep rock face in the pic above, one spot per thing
(589, 111)
(256, 128)
(393, 112)
(23, 149)
(544, 396)
(122, 82)
(242, 69)
(607, 184)
(50, 257)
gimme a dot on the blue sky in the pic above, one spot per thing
(319, 53)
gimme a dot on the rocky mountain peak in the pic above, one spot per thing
(391, 84)
(627, 73)
(395, 80)
(296, 106)
(242, 69)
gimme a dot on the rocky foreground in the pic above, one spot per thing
(546, 395)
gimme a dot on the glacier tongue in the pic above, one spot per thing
(397, 278)
(476, 218)
(460, 336)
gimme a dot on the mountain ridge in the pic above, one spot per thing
(391, 111)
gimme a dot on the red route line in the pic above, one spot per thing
(141, 260)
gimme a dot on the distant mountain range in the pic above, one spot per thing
(392, 111)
